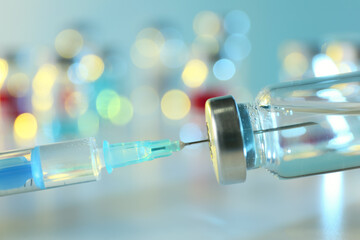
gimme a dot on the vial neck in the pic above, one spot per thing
(250, 122)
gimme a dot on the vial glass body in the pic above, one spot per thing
(308, 127)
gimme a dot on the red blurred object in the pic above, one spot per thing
(198, 99)
(9, 106)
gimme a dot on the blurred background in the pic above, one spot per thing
(142, 70)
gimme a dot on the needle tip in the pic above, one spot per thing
(196, 142)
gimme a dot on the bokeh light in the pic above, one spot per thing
(224, 69)
(103, 100)
(76, 104)
(174, 53)
(25, 126)
(323, 65)
(350, 52)
(237, 21)
(120, 110)
(42, 99)
(335, 51)
(151, 33)
(146, 50)
(346, 67)
(140, 61)
(237, 47)
(207, 23)
(145, 100)
(175, 104)
(42, 103)
(44, 80)
(4, 70)
(92, 67)
(195, 73)
(295, 64)
(73, 73)
(68, 43)
(18, 84)
(88, 123)
(147, 47)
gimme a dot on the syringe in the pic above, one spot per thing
(77, 161)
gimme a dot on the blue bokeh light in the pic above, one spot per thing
(224, 69)
(237, 47)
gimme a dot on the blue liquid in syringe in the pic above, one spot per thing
(14, 172)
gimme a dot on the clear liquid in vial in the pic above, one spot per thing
(332, 143)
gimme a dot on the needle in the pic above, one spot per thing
(285, 127)
(259, 131)
(196, 142)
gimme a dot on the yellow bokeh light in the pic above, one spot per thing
(292, 46)
(207, 23)
(140, 60)
(295, 64)
(153, 34)
(4, 70)
(175, 104)
(335, 51)
(92, 67)
(68, 43)
(147, 47)
(44, 80)
(88, 124)
(76, 104)
(25, 126)
(18, 85)
(42, 103)
(145, 52)
(120, 110)
(195, 73)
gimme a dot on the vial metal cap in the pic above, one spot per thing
(225, 139)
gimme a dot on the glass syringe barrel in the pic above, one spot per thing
(292, 129)
(49, 166)
(77, 161)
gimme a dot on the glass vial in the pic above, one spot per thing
(293, 129)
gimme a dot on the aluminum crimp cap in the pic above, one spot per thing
(225, 139)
